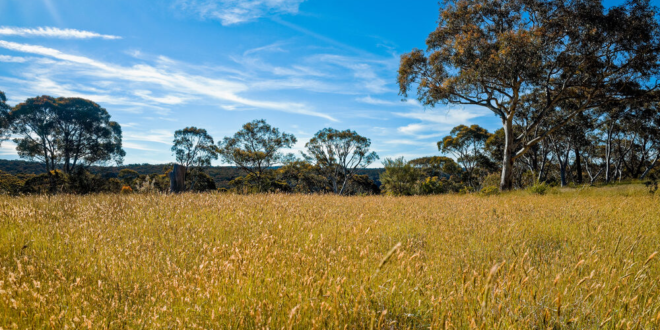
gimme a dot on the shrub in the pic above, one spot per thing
(490, 191)
(466, 190)
(399, 178)
(434, 186)
(539, 188)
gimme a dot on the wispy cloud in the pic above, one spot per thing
(136, 146)
(230, 12)
(155, 136)
(376, 101)
(12, 59)
(437, 122)
(51, 32)
(180, 84)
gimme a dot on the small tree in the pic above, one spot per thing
(494, 53)
(255, 149)
(194, 149)
(466, 144)
(339, 154)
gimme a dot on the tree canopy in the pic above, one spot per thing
(65, 133)
(256, 148)
(194, 147)
(339, 154)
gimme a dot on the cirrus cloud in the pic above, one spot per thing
(51, 32)
(230, 12)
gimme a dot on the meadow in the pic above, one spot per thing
(575, 259)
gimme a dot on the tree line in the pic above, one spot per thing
(574, 85)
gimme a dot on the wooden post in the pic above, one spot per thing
(178, 179)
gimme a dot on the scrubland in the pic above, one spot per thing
(576, 259)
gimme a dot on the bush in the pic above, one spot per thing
(491, 180)
(539, 188)
(490, 191)
(10, 184)
(466, 190)
(399, 178)
(434, 186)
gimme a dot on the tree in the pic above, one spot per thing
(339, 154)
(194, 149)
(466, 144)
(4, 117)
(494, 53)
(86, 135)
(255, 149)
(66, 132)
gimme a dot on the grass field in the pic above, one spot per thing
(579, 259)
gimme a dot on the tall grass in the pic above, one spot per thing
(571, 260)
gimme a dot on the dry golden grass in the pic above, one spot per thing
(577, 259)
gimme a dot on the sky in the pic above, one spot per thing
(162, 65)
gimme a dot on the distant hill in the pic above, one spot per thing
(220, 174)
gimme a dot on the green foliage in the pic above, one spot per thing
(128, 176)
(66, 133)
(435, 186)
(255, 149)
(539, 188)
(303, 177)
(339, 155)
(490, 191)
(267, 183)
(199, 181)
(439, 166)
(194, 147)
(362, 185)
(400, 177)
(491, 180)
(10, 184)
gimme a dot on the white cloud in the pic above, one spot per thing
(7, 148)
(51, 32)
(142, 76)
(436, 123)
(230, 12)
(450, 116)
(375, 101)
(156, 136)
(136, 146)
(12, 59)
(364, 71)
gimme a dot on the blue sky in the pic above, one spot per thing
(162, 65)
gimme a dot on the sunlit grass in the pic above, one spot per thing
(581, 258)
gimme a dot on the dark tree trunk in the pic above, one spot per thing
(562, 172)
(178, 179)
(506, 182)
(578, 166)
